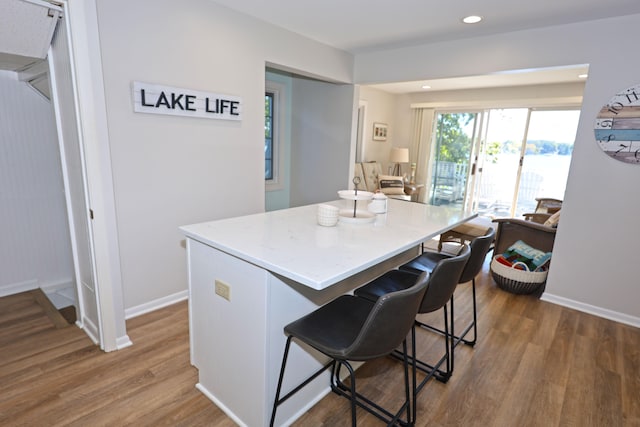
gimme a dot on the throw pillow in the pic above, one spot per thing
(391, 184)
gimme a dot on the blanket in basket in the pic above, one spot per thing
(533, 258)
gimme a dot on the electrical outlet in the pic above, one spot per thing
(223, 290)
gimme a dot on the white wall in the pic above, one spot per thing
(316, 138)
(170, 171)
(594, 263)
(380, 107)
(35, 249)
(320, 140)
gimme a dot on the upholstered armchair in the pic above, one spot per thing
(370, 172)
(535, 234)
(372, 179)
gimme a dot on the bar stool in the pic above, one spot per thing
(480, 246)
(442, 283)
(356, 329)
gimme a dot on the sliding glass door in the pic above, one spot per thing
(455, 135)
(525, 154)
(546, 158)
(499, 161)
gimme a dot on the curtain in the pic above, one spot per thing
(420, 148)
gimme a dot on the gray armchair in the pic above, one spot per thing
(536, 235)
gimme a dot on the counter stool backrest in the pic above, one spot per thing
(479, 248)
(443, 281)
(389, 322)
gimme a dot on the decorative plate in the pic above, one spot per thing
(350, 195)
(617, 127)
(362, 217)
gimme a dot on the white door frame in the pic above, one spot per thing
(86, 62)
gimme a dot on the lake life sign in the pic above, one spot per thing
(157, 99)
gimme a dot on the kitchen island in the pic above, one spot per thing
(250, 276)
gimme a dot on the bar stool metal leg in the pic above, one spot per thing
(277, 400)
(339, 387)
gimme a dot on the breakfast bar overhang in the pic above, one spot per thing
(249, 276)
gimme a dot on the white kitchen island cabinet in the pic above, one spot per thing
(271, 269)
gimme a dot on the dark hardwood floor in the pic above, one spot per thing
(535, 364)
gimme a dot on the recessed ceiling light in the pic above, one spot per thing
(426, 87)
(583, 76)
(472, 19)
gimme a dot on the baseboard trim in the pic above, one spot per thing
(16, 288)
(51, 287)
(325, 391)
(90, 329)
(155, 304)
(123, 342)
(591, 309)
(219, 404)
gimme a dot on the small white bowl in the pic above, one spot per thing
(327, 221)
(327, 215)
(324, 209)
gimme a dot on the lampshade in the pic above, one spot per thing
(399, 155)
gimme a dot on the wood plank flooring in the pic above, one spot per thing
(535, 364)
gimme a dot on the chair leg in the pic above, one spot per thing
(357, 399)
(473, 325)
(411, 416)
(413, 373)
(341, 389)
(447, 344)
(452, 347)
(277, 401)
(435, 370)
(353, 396)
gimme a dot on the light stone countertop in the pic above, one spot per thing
(290, 243)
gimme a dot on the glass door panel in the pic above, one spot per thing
(547, 156)
(452, 150)
(497, 180)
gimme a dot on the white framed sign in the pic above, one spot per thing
(159, 99)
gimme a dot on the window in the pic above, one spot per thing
(275, 135)
(269, 110)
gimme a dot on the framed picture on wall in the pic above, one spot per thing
(380, 131)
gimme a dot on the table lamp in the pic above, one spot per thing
(398, 155)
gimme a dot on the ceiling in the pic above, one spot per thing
(366, 25)
(568, 74)
(360, 26)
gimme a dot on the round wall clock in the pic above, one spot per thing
(617, 126)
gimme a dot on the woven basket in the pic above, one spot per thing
(517, 281)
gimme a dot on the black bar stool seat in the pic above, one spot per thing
(441, 285)
(327, 330)
(427, 261)
(350, 328)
